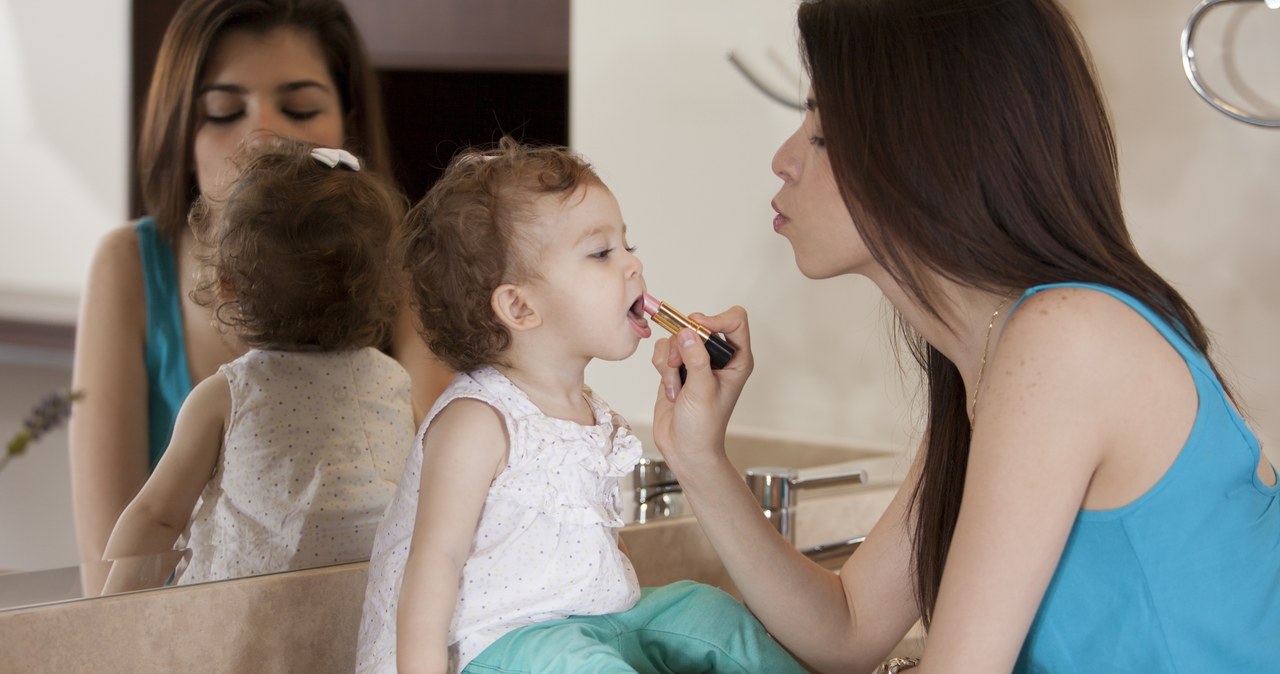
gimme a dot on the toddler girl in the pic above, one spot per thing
(287, 456)
(510, 560)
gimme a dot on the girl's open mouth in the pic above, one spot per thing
(637, 318)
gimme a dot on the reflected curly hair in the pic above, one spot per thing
(472, 232)
(302, 256)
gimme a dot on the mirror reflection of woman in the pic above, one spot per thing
(227, 71)
(294, 450)
(1087, 497)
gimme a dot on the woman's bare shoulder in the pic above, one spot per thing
(115, 275)
(117, 251)
(1078, 318)
(1089, 340)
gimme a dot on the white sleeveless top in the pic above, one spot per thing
(546, 546)
(309, 462)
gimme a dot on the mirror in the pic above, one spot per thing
(685, 143)
(475, 70)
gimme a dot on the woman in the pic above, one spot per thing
(1086, 497)
(228, 72)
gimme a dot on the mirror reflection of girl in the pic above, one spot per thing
(1086, 497)
(225, 70)
(500, 551)
(285, 457)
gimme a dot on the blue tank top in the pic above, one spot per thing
(1184, 579)
(168, 380)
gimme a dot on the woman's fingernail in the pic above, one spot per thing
(686, 338)
(671, 392)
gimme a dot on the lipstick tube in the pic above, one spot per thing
(720, 350)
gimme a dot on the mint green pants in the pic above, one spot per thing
(675, 629)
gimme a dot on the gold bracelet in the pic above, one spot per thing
(895, 665)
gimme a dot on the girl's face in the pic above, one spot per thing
(257, 85)
(811, 213)
(590, 291)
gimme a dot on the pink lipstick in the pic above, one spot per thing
(663, 314)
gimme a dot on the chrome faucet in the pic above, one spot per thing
(654, 478)
(775, 490)
(656, 489)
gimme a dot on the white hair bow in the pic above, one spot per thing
(331, 157)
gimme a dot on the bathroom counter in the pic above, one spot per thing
(303, 621)
(308, 620)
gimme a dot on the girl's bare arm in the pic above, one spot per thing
(161, 511)
(464, 449)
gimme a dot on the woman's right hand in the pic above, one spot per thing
(690, 419)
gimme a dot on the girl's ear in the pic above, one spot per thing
(512, 307)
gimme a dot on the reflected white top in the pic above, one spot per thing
(546, 546)
(309, 463)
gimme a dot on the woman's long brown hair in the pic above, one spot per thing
(169, 118)
(970, 142)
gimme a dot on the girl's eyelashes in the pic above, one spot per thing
(604, 254)
(817, 141)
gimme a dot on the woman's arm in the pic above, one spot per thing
(844, 622)
(464, 449)
(108, 428)
(428, 375)
(161, 511)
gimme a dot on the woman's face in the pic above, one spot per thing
(257, 85)
(811, 213)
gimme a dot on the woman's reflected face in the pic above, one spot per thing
(258, 85)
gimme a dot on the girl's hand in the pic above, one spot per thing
(689, 420)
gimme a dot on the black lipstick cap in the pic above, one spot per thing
(720, 350)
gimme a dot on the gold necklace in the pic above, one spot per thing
(986, 347)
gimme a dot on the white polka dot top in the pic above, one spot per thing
(546, 546)
(310, 460)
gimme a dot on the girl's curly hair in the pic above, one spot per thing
(302, 256)
(473, 232)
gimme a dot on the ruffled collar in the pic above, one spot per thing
(610, 428)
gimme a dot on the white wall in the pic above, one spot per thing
(685, 143)
(64, 136)
(63, 126)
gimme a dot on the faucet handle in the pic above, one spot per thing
(774, 487)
